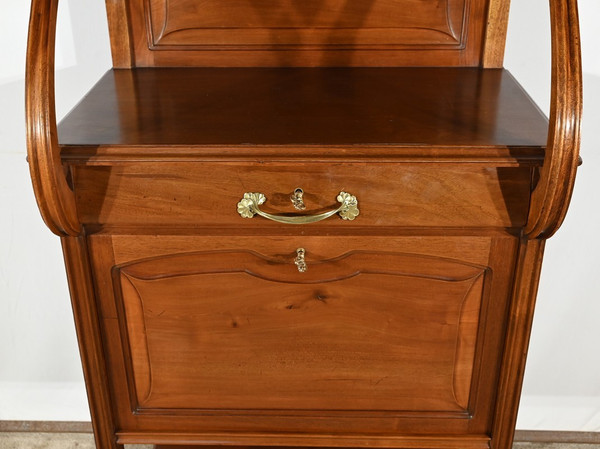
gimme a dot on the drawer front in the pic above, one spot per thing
(207, 194)
(377, 335)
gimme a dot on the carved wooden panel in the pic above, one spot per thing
(284, 23)
(367, 331)
(329, 32)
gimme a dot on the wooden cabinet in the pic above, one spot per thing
(314, 224)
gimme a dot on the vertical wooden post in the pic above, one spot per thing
(87, 325)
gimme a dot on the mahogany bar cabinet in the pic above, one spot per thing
(313, 223)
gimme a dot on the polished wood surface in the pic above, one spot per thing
(364, 331)
(247, 441)
(309, 33)
(90, 340)
(121, 46)
(495, 36)
(410, 327)
(330, 23)
(529, 265)
(54, 197)
(550, 199)
(392, 106)
(151, 261)
(521, 436)
(186, 195)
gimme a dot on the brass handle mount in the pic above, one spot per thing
(248, 207)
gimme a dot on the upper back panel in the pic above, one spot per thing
(148, 33)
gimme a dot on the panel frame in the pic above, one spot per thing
(131, 46)
(113, 248)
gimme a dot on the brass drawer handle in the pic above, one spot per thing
(249, 206)
(299, 260)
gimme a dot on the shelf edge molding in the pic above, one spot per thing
(551, 197)
(54, 197)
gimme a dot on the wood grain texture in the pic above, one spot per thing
(54, 197)
(480, 157)
(89, 337)
(517, 341)
(411, 325)
(389, 195)
(281, 24)
(552, 195)
(495, 34)
(429, 254)
(521, 436)
(311, 33)
(299, 440)
(121, 46)
(348, 334)
(460, 107)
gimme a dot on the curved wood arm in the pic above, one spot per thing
(551, 197)
(55, 199)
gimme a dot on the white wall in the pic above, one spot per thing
(562, 380)
(40, 373)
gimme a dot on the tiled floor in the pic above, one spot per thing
(31, 440)
(16, 440)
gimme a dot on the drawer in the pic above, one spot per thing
(376, 335)
(388, 194)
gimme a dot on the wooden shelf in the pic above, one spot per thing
(462, 107)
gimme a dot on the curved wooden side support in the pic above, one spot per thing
(551, 197)
(54, 197)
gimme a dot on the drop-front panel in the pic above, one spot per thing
(385, 335)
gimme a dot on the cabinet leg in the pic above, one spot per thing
(89, 338)
(517, 341)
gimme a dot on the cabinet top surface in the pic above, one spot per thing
(467, 107)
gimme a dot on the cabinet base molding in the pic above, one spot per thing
(298, 440)
(521, 436)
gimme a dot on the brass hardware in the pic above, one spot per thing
(249, 206)
(299, 260)
(297, 199)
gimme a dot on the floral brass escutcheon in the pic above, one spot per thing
(246, 206)
(349, 209)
